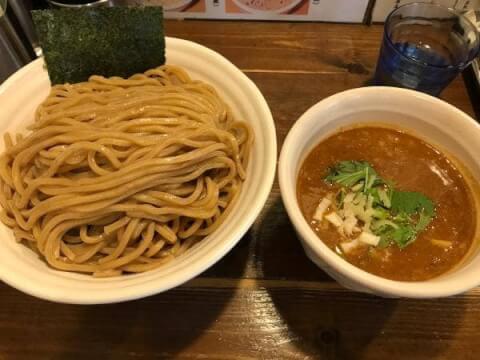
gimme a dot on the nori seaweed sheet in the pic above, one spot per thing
(109, 41)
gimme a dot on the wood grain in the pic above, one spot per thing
(225, 319)
(265, 299)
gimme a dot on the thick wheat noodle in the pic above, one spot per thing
(122, 175)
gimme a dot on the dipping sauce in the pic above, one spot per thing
(413, 166)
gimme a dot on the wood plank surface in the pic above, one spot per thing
(265, 299)
(243, 319)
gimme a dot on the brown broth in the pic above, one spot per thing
(414, 166)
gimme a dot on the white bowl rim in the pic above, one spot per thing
(418, 289)
(145, 288)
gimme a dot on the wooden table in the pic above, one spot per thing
(265, 299)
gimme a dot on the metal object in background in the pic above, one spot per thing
(16, 48)
(79, 3)
(21, 10)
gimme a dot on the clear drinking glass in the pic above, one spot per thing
(424, 47)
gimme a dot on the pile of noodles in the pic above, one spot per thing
(122, 175)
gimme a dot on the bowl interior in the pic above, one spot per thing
(436, 122)
(21, 268)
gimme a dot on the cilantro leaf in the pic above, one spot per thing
(411, 202)
(401, 234)
(423, 221)
(386, 235)
(384, 242)
(411, 213)
(404, 235)
(349, 173)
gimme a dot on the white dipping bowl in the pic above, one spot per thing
(22, 269)
(430, 119)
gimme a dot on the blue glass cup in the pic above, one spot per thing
(425, 46)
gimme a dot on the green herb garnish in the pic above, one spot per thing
(351, 173)
(396, 216)
(402, 234)
(108, 41)
(410, 202)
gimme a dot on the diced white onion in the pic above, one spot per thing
(349, 224)
(369, 238)
(360, 200)
(347, 211)
(358, 187)
(348, 246)
(366, 226)
(334, 219)
(321, 208)
(349, 198)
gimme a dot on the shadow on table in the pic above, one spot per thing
(278, 253)
(159, 326)
(328, 322)
(473, 89)
(340, 324)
